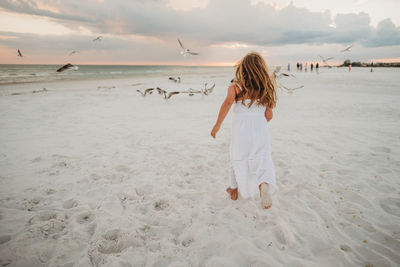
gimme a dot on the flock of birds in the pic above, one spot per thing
(206, 91)
(277, 72)
(167, 95)
(69, 66)
(325, 60)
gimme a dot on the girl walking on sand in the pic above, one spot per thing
(253, 96)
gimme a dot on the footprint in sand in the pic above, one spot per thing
(122, 168)
(30, 204)
(343, 172)
(144, 190)
(49, 191)
(47, 224)
(42, 217)
(112, 242)
(95, 177)
(391, 205)
(37, 159)
(85, 217)
(345, 247)
(381, 149)
(161, 204)
(71, 203)
(4, 239)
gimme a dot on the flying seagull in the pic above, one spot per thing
(98, 38)
(347, 48)
(291, 90)
(19, 53)
(73, 52)
(186, 51)
(67, 67)
(277, 73)
(161, 91)
(171, 94)
(147, 91)
(177, 80)
(287, 75)
(207, 91)
(325, 60)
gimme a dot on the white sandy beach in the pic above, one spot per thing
(104, 177)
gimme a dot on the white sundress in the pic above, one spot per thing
(250, 151)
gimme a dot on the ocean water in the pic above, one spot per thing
(13, 74)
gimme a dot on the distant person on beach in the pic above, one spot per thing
(350, 67)
(288, 66)
(316, 67)
(253, 96)
(298, 66)
(312, 66)
(305, 68)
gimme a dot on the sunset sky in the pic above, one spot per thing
(222, 31)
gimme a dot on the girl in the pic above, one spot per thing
(253, 95)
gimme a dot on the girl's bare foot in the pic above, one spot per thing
(266, 200)
(233, 193)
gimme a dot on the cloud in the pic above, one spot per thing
(385, 34)
(219, 21)
(221, 31)
(31, 7)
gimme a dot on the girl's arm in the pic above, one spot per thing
(268, 113)
(226, 105)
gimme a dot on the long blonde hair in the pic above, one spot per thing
(257, 85)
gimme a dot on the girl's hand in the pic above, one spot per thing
(268, 114)
(214, 130)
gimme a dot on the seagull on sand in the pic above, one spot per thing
(98, 38)
(325, 60)
(73, 52)
(147, 91)
(186, 51)
(19, 53)
(68, 66)
(347, 49)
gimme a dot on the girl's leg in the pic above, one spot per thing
(232, 190)
(233, 193)
(266, 200)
